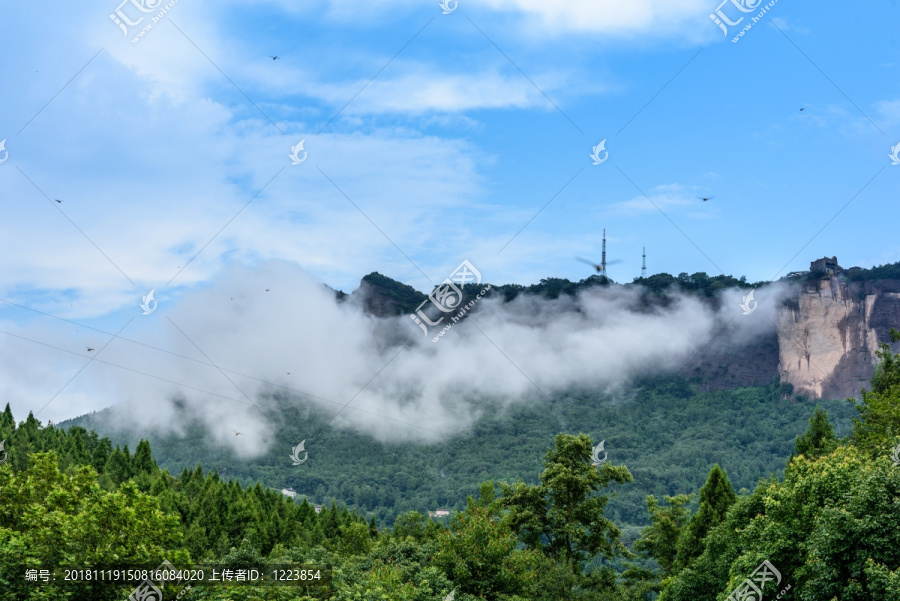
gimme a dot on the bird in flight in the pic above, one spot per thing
(274, 58)
(267, 289)
(801, 109)
(58, 200)
(89, 349)
(597, 266)
(236, 433)
(705, 198)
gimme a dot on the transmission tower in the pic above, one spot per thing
(603, 256)
(644, 265)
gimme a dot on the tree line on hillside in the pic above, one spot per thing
(406, 299)
(668, 430)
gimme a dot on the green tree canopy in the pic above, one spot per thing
(563, 516)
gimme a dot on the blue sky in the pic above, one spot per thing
(478, 122)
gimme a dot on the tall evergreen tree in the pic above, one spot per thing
(6, 419)
(819, 438)
(143, 459)
(117, 467)
(716, 496)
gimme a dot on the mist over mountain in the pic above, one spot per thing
(364, 360)
(361, 359)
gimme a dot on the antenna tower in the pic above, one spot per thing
(603, 256)
(644, 265)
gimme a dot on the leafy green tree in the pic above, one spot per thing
(50, 519)
(878, 424)
(479, 555)
(562, 516)
(716, 496)
(659, 540)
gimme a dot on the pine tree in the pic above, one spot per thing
(6, 419)
(117, 467)
(819, 438)
(143, 459)
(716, 496)
(101, 454)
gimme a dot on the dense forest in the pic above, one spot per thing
(669, 431)
(829, 528)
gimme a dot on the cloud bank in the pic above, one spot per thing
(219, 351)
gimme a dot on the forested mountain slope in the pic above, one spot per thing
(666, 430)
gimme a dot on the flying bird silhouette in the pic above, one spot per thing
(236, 433)
(597, 266)
(274, 58)
(267, 289)
(58, 200)
(801, 109)
(89, 349)
(705, 198)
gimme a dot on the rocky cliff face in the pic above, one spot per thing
(829, 332)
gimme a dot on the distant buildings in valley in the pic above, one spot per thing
(290, 492)
(439, 512)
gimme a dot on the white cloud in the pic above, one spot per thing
(656, 18)
(669, 198)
